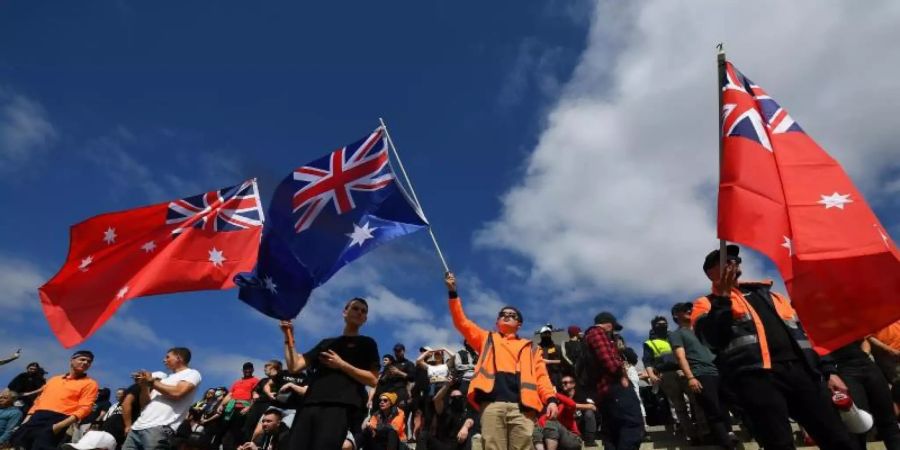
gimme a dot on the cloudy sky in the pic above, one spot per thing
(565, 152)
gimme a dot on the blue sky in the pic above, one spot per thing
(563, 151)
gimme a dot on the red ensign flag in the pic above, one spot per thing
(191, 244)
(782, 195)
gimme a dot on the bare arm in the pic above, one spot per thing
(877, 343)
(127, 413)
(12, 358)
(295, 361)
(681, 357)
(439, 398)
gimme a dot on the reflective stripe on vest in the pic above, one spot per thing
(742, 341)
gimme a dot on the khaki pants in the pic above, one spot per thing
(505, 427)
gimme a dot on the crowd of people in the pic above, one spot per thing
(737, 356)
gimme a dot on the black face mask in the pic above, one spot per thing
(661, 330)
(547, 340)
(457, 404)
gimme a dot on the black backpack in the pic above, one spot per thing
(587, 368)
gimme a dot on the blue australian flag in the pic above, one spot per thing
(323, 216)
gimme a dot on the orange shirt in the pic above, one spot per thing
(69, 396)
(398, 423)
(890, 335)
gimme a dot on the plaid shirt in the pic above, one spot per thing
(611, 366)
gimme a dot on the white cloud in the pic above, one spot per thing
(25, 129)
(619, 193)
(122, 328)
(20, 280)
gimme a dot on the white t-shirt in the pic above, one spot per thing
(165, 411)
(438, 373)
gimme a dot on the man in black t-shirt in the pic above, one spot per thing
(339, 369)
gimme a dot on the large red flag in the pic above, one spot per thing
(782, 195)
(195, 243)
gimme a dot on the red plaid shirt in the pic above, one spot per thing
(609, 360)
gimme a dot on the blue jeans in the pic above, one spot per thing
(156, 438)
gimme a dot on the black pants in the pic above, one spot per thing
(870, 392)
(38, 434)
(716, 414)
(321, 427)
(621, 421)
(587, 423)
(383, 439)
(770, 397)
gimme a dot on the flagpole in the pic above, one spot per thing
(412, 191)
(721, 63)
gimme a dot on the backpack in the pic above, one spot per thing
(587, 368)
(464, 357)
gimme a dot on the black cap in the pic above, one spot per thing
(682, 307)
(607, 317)
(399, 346)
(86, 353)
(248, 365)
(712, 259)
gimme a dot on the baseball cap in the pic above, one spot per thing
(574, 330)
(607, 317)
(92, 440)
(425, 349)
(545, 329)
(712, 259)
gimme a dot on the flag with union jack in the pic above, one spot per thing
(784, 196)
(195, 243)
(324, 215)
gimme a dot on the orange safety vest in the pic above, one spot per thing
(504, 354)
(749, 346)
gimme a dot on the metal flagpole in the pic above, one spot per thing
(412, 191)
(721, 60)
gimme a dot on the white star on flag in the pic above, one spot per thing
(789, 245)
(109, 236)
(216, 257)
(835, 200)
(361, 234)
(85, 263)
(149, 247)
(122, 292)
(270, 285)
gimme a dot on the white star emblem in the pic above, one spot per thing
(122, 292)
(270, 285)
(149, 247)
(835, 200)
(109, 236)
(85, 263)
(789, 245)
(361, 234)
(216, 257)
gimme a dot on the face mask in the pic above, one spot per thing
(661, 329)
(507, 328)
(457, 403)
(546, 340)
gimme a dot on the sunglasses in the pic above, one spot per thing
(383, 400)
(508, 314)
(567, 382)
(734, 259)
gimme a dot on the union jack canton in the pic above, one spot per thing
(229, 209)
(742, 102)
(363, 166)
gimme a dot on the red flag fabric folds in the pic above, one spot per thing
(781, 194)
(195, 243)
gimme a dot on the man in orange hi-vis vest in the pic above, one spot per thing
(511, 386)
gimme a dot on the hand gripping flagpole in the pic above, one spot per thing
(721, 62)
(412, 192)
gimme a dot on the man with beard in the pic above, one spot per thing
(28, 384)
(766, 358)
